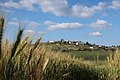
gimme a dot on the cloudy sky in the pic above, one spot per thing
(95, 21)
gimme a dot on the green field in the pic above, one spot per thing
(75, 52)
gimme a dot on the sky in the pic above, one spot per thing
(94, 21)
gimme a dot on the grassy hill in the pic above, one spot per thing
(81, 51)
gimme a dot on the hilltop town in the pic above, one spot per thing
(83, 46)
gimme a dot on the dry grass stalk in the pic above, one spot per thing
(2, 23)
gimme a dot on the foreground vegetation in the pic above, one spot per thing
(23, 60)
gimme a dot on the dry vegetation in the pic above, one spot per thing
(23, 61)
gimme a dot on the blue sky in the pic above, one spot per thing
(95, 21)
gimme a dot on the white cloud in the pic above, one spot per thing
(57, 7)
(22, 4)
(101, 24)
(15, 22)
(29, 31)
(49, 23)
(29, 4)
(56, 26)
(105, 14)
(6, 11)
(12, 24)
(84, 11)
(41, 33)
(25, 23)
(97, 34)
(14, 19)
(33, 24)
(12, 4)
(60, 8)
(115, 4)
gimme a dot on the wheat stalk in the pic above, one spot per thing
(2, 20)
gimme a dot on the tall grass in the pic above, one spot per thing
(1, 32)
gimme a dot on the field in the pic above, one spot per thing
(88, 55)
(22, 60)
